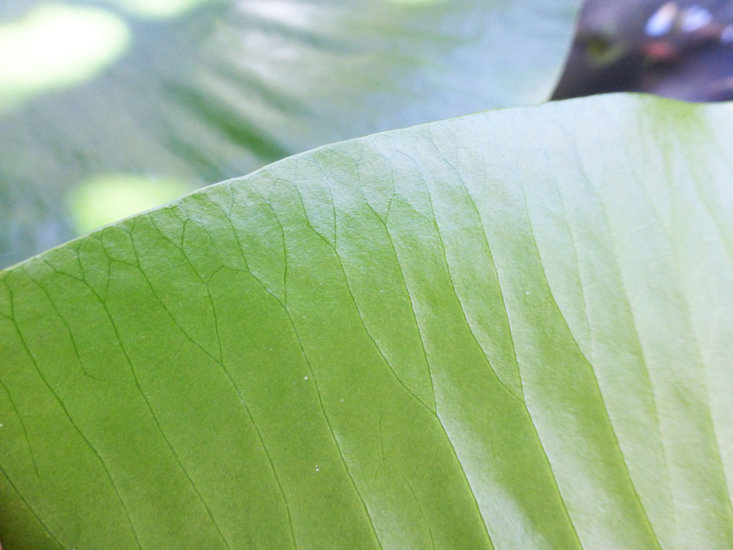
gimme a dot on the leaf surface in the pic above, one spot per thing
(491, 331)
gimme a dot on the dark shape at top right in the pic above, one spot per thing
(681, 50)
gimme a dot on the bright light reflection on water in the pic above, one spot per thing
(56, 46)
(110, 197)
(416, 2)
(157, 9)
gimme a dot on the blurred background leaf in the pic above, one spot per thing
(177, 94)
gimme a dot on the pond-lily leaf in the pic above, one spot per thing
(211, 89)
(506, 330)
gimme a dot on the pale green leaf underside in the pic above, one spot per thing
(511, 329)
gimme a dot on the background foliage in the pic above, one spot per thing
(148, 103)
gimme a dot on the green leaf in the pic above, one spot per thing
(488, 331)
(220, 90)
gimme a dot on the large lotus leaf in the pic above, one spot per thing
(511, 329)
(149, 90)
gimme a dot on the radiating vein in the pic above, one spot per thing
(61, 403)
